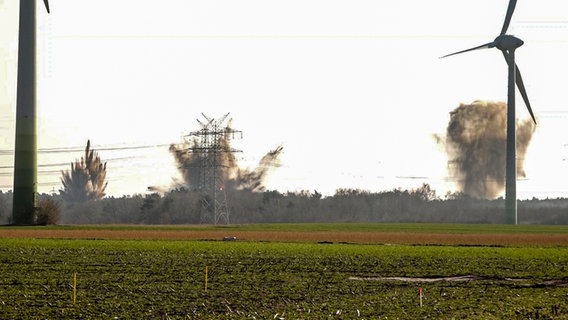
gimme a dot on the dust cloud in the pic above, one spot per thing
(475, 143)
(195, 162)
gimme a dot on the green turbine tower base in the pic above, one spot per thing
(25, 155)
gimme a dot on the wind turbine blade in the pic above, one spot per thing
(510, 10)
(46, 5)
(521, 86)
(483, 46)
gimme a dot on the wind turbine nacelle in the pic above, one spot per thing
(507, 42)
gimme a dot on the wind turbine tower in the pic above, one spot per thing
(25, 155)
(508, 44)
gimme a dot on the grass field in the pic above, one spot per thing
(142, 272)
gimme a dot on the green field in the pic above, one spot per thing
(165, 279)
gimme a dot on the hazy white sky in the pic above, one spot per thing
(352, 89)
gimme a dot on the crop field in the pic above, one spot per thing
(284, 272)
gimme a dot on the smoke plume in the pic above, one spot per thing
(87, 178)
(253, 180)
(476, 147)
(193, 160)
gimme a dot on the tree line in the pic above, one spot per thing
(182, 206)
(82, 201)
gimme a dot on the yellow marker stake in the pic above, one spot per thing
(205, 278)
(75, 288)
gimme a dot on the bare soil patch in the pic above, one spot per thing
(467, 278)
(466, 239)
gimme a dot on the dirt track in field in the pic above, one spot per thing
(485, 239)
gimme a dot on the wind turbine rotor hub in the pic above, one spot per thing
(507, 42)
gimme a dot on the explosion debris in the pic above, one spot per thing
(87, 178)
(195, 156)
(476, 147)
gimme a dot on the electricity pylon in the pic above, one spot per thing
(212, 149)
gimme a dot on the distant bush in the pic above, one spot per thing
(48, 212)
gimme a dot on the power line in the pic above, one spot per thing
(61, 164)
(4, 152)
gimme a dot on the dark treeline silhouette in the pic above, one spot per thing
(346, 205)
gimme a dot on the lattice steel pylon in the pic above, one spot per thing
(212, 147)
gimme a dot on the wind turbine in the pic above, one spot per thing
(25, 155)
(508, 44)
